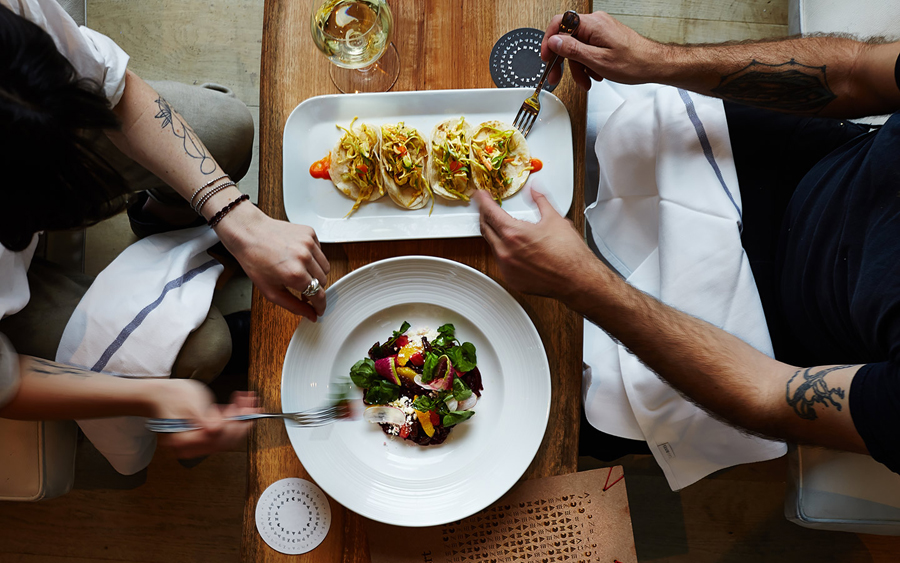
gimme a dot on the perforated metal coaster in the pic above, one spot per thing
(516, 59)
(293, 516)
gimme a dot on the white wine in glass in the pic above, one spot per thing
(356, 36)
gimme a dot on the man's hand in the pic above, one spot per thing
(277, 255)
(602, 47)
(540, 259)
(185, 398)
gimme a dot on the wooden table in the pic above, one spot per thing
(443, 44)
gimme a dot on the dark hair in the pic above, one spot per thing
(52, 178)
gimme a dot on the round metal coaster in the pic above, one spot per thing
(516, 59)
(293, 516)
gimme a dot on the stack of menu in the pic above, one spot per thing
(576, 517)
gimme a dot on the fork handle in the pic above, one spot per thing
(174, 425)
(567, 26)
(254, 416)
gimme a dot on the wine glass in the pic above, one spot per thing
(356, 36)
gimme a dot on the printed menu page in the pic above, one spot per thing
(569, 518)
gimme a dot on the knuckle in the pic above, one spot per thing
(304, 255)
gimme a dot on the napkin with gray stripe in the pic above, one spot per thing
(133, 321)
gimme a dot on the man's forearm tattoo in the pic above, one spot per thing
(48, 368)
(789, 86)
(193, 147)
(807, 387)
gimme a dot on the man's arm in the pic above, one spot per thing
(276, 255)
(827, 76)
(53, 391)
(716, 370)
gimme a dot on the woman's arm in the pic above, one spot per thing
(276, 255)
(52, 391)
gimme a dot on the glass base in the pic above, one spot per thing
(378, 77)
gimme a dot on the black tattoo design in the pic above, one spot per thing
(51, 368)
(812, 389)
(193, 147)
(789, 86)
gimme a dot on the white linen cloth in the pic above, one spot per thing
(667, 217)
(94, 55)
(133, 321)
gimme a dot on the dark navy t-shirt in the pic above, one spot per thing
(840, 277)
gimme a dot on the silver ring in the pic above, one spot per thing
(312, 289)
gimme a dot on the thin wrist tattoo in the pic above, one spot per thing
(789, 86)
(802, 392)
(50, 368)
(192, 144)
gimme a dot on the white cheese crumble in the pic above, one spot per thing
(416, 334)
(405, 405)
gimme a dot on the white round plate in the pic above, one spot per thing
(396, 481)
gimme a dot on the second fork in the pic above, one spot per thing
(531, 107)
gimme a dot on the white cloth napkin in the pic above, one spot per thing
(667, 216)
(133, 321)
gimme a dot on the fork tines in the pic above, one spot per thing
(321, 417)
(526, 117)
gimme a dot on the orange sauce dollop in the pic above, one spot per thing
(319, 168)
(536, 165)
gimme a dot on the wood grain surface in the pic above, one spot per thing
(443, 44)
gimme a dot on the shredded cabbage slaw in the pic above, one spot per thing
(452, 158)
(404, 153)
(491, 155)
(360, 156)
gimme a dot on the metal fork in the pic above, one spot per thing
(532, 106)
(310, 419)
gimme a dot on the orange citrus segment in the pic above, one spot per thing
(408, 373)
(406, 352)
(425, 421)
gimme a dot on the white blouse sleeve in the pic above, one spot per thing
(9, 371)
(94, 55)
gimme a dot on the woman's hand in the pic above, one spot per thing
(277, 256)
(185, 398)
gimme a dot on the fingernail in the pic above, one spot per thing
(554, 42)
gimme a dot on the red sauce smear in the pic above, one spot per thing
(536, 165)
(319, 168)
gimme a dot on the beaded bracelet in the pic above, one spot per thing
(214, 220)
(208, 195)
(204, 186)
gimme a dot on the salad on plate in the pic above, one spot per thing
(420, 383)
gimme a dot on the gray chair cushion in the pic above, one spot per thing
(76, 9)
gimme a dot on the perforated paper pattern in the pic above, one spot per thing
(516, 59)
(293, 516)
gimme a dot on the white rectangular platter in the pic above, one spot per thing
(310, 132)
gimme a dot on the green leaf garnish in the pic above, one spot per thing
(463, 357)
(429, 368)
(363, 374)
(382, 392)
(461, 391)
(455, 417)
(403, 328)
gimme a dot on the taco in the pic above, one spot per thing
(354, 166)
(448, 165)
(404, 153)
(500, 159)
